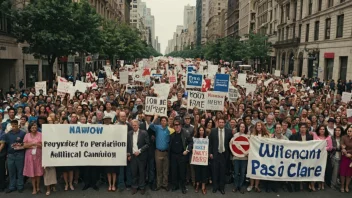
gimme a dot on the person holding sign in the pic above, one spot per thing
(137, 147)
(180, 146)
(201, 171)
(219, 140)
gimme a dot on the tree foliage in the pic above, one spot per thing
(256, 46)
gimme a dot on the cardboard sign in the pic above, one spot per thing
(108, 71)
(346, 97)
(162, 90)
(154, 105)
(215, 100)
(200, 151)
(80, 86)
(239, 145)
(196, 99)
(172, 79)
(233, 94)
(124, 77)
(206, 85)
(242, 79)
(40, 88)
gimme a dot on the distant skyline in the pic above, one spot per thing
(168, 15)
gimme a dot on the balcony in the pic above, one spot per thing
(287, 43)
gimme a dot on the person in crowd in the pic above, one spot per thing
(33, 157)
(180, 146)
(240, 162)
(15, 156)
(201, 172)
(345, 164)
(162, 140)
(137, 152)
(3, 153)
(336, 156)
(219, 152)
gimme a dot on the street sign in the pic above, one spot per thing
(239, 146)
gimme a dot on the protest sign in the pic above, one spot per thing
(206, 85)
(101, 82)
(239, 145)
(84, 145)
(64, 87)
(200, 151)
(196, 99)
(280, 160)
(108, 71)
(138, 76)
(215, 100)
(221, 82)
(162, 90)
(80, 86)
(267, 82)
(346, 97)
(155, 75)
(349, 115)
(154, 105)
(233, 94)
(250, 88)
(296, 79)
(212, 70)
(172, 79)
(124, 77)
(242, 79)
(278, 73)
(194, 80)
(40, 88)
(286, 86)
(190, 69)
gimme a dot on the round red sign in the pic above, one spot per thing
(239, 146)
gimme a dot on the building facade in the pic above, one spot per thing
(314, 38)
(123, 7)
(232, 18)
(215, 23)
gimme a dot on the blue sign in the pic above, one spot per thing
(194, 80)
(221, 82)
(157, 75)
(190, 69)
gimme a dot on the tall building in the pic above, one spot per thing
(123, 7)
(314, 38)
(215, 23)
(199, 10)
(188, 15)
(232, 18)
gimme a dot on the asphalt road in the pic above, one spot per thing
(327, 193)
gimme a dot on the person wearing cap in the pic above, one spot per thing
(13, 140)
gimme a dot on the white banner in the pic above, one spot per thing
(200, 151)
(155, 105)
(196, 99)
(346, 97)
(162, 90)
(84, 145)
(233, 94)
(242, 79)
(64, 87)
(40, 86)
(80, 86)
(215, 100)
(283, 160)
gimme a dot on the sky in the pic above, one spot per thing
(168, 14)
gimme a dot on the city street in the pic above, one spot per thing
(328, 193)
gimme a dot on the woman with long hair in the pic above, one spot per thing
(336, 156)
(260, 131)
(201, 172)
(323, 134)
(33, 158)
(240, 162)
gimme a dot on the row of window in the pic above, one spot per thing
(329, 3)
(339, 28)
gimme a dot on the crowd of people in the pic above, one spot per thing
(159, 147)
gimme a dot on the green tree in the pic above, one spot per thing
(213, 51)
(54, 28)
(259, 47)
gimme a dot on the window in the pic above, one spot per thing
(339, 27)
(300, 31)
(327, 28)
(288, 11)
(134, 6)
(307, 32)
(330, 3)
(320, 3)
(301, 10)
(310, 7)
(3, 23)
(316, 31)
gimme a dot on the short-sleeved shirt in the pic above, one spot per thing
(11, 138)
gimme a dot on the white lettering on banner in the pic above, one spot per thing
(215, 100)
(200, 151)
(155, 105)
(40, 86)
(194, 79)
(282, 160)
(196, 99)
(84, 145)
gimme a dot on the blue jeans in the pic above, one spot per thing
(239, 174)
(121, 179)
(15, 164)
